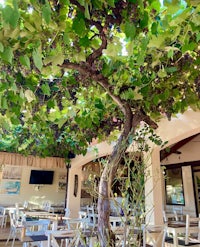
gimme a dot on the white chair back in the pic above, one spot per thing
(192, 227)
(36, 227)
(92, 218)
(47, 207)
(84, 219)
(71, 237)
(3, 217)
(169, 216)
(155, 235)
(15, 226)
(25, 205)
(178, 212)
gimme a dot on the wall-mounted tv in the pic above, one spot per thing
(41, 177)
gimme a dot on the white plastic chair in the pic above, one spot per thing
(192, 228)
(91, 216)
(155, 235)
(3, 217)
(25, 205)
(178, 212)
(34, 229)
(169, 216)
(72, 238)
(47, 207)
(84, 220)
(15, 227)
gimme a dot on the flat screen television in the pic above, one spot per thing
(41, 177)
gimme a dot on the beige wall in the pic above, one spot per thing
(30, 192)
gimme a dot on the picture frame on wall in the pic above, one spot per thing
(62, 181)
(11, 187)
(12, 172)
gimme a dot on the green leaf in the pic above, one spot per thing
(50, 104)
(198, 37)
(144, 20)
(171, 69)
(58, 59)
(111, 3)
(79, 27)
(189, 47)
(166, 94)
(15, 19)
(4, 104)
(11, 15)
(46, 89)
(87, 12)
(66, 38)
(37, 59)
(7, 55)
(46, 12)
(1, 47)
(156, 99)
(24, 60)
(156, 5)
(156, 41)
(162, 73)
(130, 30)
(85, 42)
(154, 28)
(30, 96)
(81, 2)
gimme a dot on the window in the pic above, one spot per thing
(174, 187)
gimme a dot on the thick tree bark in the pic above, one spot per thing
(105, 235)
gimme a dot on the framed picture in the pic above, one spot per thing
(10, 187)
(12, 172)
(174, 186)
(62, 181)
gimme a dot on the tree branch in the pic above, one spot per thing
(87, 72)
(140, 114)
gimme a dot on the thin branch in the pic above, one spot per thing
(109, 19)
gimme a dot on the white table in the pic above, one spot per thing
(41, 214)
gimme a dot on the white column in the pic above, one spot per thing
(73, 202)
(154, 189)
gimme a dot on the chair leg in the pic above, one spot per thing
(9, 236)
(13, 242)
(186, 238)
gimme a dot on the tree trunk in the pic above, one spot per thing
(104, 231)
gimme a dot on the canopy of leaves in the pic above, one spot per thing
(68, 68)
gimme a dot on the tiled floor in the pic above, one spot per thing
(4, 232)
